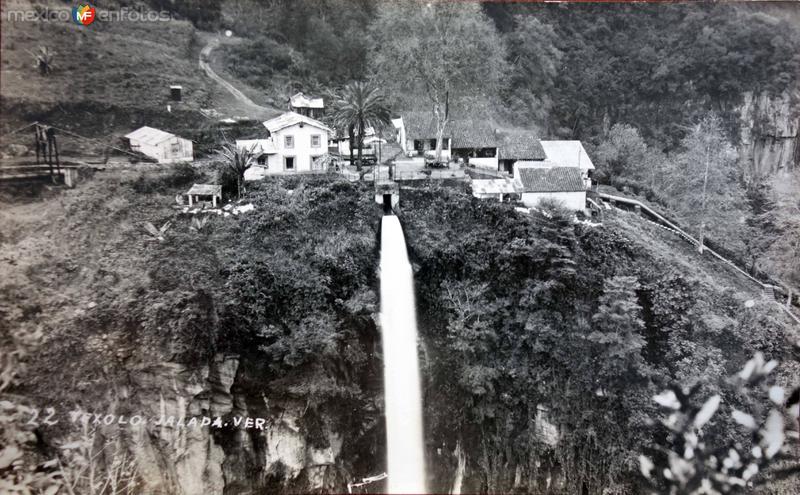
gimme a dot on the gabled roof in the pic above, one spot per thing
(149, 135)
(302, 101)
(567, 154)
(519, 144)
(464, 133)
(419, 125)
(555, 179)
(259, 146)
(471, 134)
(290, 119)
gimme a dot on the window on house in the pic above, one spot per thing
(262, 160)
(288, 141)
(289, 162)
(315, 140)
(175, 147)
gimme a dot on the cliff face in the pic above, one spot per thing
(768, 130)
(272, 446)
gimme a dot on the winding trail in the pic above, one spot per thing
(253, 109)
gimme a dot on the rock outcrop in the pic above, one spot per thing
(768, 131)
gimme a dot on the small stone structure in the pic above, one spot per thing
(199, 191)
(387, 193)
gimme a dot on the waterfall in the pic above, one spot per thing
(405, 453)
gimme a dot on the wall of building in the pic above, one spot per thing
(572, 200)
(302, 152)
(485, 163)
(171, 150)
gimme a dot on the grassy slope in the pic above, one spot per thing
(109, 77)
(121, 63)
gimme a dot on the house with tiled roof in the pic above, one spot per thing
(416, 133)
(548, 181)
(516, 145)
(570, 153)
(473, 141)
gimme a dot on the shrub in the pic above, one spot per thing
(178, 176)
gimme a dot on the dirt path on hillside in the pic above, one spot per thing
(252, 109)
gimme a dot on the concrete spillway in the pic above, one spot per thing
(405, 452)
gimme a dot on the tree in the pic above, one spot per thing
(440, 50)
(703, 186)
(534, 60)
(622, 151)
(617, 335)
(359, 106)
(237, 160)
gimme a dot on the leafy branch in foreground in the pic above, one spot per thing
(690, 465)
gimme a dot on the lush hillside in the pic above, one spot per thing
(110, 77)
(271, 314)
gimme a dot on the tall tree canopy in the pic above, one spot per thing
(440, 50)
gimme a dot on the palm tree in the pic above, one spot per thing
(237, 160)
(360, 105)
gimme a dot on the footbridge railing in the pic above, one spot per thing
(692, 240)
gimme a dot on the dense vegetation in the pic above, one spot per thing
(522, 314)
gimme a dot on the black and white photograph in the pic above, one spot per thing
(461, 247)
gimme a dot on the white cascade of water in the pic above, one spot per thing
(403, 398)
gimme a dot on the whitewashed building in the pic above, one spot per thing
(294, 145)
(540, 182)
(161, 146)
(570, 154)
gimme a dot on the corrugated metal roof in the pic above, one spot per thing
(290, 119)
(568, 154)
(302, 101)
(149, 135)
(555, 179)
(519, 144)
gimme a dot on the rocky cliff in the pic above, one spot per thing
(768, 131)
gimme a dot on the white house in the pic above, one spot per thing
(294, 144)
(308, 106)
(160, 145)
(540, 182)
(570, 154)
